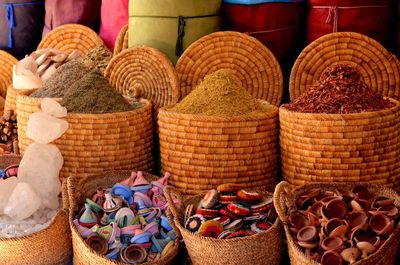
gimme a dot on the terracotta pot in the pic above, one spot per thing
(307, 234)
(357, 219)
(350, 254)
(331, 258)
(336, 208)
(382, 201)
(298, 220)
(366, 248)
(381, 224)
(332, 243)
(391, 211)
(316, 209)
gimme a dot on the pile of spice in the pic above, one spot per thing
(230, 212)
(220, 94)
(93, 94)
(340, 90)
(8, 133)
(128, 222)
(98, 57)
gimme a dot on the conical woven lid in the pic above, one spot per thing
(6, 64)
(245, 56)
(379, 68)
(71, 37)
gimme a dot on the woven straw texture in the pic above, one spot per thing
(47, 247)
(6, 65)
(81, 188)
(95, 142)
(145, 72)
(11, 99)
(121, 43)
(285, 198)
(360, 147)
(264, 248)
(248, 58)
(379, 68)
(201, 152)
(71, 37)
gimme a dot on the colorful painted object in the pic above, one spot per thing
(111, 204)
(88, 217)
(11, 171)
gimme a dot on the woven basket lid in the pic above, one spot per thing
(145, 72)
(71, 37)
(6, 65)
(121, 43)
(248, 58)
(379, 68)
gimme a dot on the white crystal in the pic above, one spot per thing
(52, 107)
(25, 79)
(44, 128)
(6, 188)
(40, 166)
(23, 202)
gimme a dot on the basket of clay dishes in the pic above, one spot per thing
(229, 225)
(340, 130)
(339, 223)
(217, 134)
(119, 217)
(22, 242)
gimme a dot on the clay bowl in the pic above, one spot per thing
(133, 254)
(357, 219)
(332, 224)
(346, 194)
(316, 209)
(357, 206)
(362, 192)
(381, 224)
(391, 211)
(332, 243)
(308, 246)
(350, 255)
(307, 234)
(313, 220)
(382, 201)
(298, 220)
(331, 258)
(98, 244)
(325, 200)
(336, 208)
(366, 248)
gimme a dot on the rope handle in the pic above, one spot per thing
(169, 191)
(282, 191)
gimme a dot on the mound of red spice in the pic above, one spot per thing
(339, 90)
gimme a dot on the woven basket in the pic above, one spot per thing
(121, 43)
(11, 98)
(262, 248)
(71, 37)
(95, 142)
(47, 247)
(145, 72)
(285, 197)
(379, 68)
(6, 69)
(359, 147)
(204, 151)
(248, 58)
(81, 188)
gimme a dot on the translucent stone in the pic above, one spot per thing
(23, 202)
(52, 107)
(44, 128)
(6, 188)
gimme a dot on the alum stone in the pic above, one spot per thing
(52, 107)
(6, 188)
(44, 128)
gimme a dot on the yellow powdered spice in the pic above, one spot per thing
(221, 94)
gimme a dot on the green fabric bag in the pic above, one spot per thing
(172, 25)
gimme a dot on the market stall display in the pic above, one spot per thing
(227, 221)
(251, 62)
(124, 218)
(339, 223)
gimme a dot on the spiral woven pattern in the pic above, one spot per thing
(251, 62)
(121, 43)
(379, 68)
(96, 142)
(6, 71)
(71, 37)
(359, 147)
(201, 152)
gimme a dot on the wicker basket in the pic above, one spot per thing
(249, 59)
(379, 68)
(121, 43)
(204, 151)
(11, 98)
(359, 147)
(285, 197)
(95, 142)
(81, 188)
(262, 248)
(71, 37)
(47, 247)
(6, 65)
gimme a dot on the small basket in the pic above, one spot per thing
(11, 99)
(252, 63)
(379, 68)
(7, 62)
(265, 248)
(71, 37)
(81, 188)
(50, 246)
(285, 197)
(121, 43)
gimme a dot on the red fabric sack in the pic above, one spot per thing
(60, 12)
(374, 18)
(277, 25)
(114, 15)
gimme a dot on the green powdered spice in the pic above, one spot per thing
(98, 57)
(93, 94)
(221, 94)
(62, 79)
